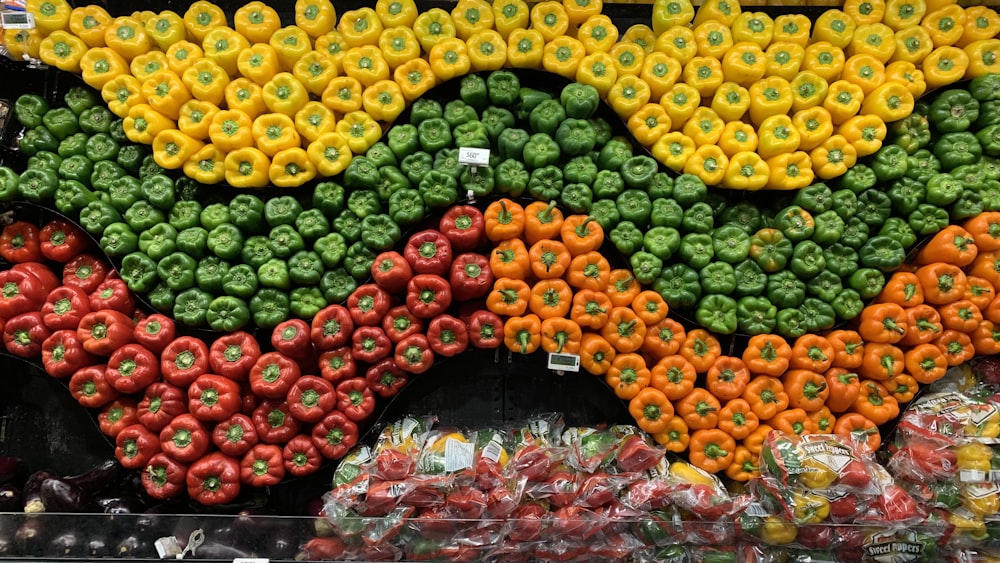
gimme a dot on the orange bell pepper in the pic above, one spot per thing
(985, 229)
(956, 346)
(793, 421)
(745, 465)
(875, 403)
(596, 354)
(651, 410)
(541, 221)
(737, 419)
(622, 288)
(766, 396)
(624, 330)
(812, 352)
(510, 260)
(755, 440)
(589, 270)
(843, 386)
(701, 348)
(523, 334)
(882, 361)
(550, 298)
(986, 338)
(675, 437)
(673, 375)
(581, 234)
(727, 378)
(902, 288)
(628, 375)
(883, 323)
(560, 335)
(926, 363)
(979, 291)
(509, 297)
(711, 450)
(663, 338)
(953, 245)
(942, 282)
(860, 429)
(549, 259)
(699, 408)
(806, 389)
(923, 325)
(767, 354)
(590, 308)
(848, 348)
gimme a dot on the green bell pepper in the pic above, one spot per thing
(75, 144)
(791, 323)
(882, 253)
(858, 178)
(425, 108)
(912, 133)
(608, 184)
(928, 219)
(281, 210)
(646, 267)
(38, 185)
(240, 281)
(603, 130)
(331, 249)
(227, 314)
(150, 167)
(185, 214)
(496, 120)
(579, 100)
(546, 117)
(699, 218)
(328, 197)
(755, 315)
(527, 100)
(118, 240)
(666, 212)
(546, 183)
(841, 259)
(162, 298)
(906, 194)
(76, 167)
(306, 302)
(457, 112)
(943, 189)
(349, 225)
(158, 241)
(626, 237)
(284, 241)
(361, 174)
(770, 249)
(868, 282)
(819, 315)
(36, 140)
(968, 205)
(635, 206)
(358, 261)
(337, 285)
(696, 250)
(744, 215)
(105, 173)
(417, 165)
(193, 241)
(825, 285)
(662, 242)
(785, 289)
(717, 313)
(226, 240)
(138, 271)
(96, 216)
(8, 184)
(269, 307)
(855, 233)
(45, 159)
(246, 211)
(874, 207)
(956, 149)
(381, 155)
(795, 223)
(541, 151)
(305, 267)
(807, 259)
(158, 190)
(71, 197)
(581, 169)
(921, 165)
(209, 272)
(898, 229)
(191, 307)
(953, 110)
(503, 87)
(61, 122)
(141, 215)
(575, 137)
(576, 197)
(29, 109)
(718, 277)
(311, 224)
(213, 215)
(406, 207)
(403, 140)
(511, 142)
(130, 158)
(679, 285)
(972, 176)
(380, 232)
(829, 228)
(96, 119)
(605, 212)
(989, 140)
(661, 186)
(985, 88)
(750, 278)
(689, 189)
(479, 180)
(80, 98)
(446, 160)
(391, 180)
(890, 163)
(471, 134)
(614, 154)
(638, 171)
(176, 270)
(274, 274)
(438, 189)
(816, 198)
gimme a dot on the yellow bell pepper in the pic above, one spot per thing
(769, 96)
(361, 27)
(834, 27)
(974, 456)
(62, 50)
(825, 59)
(746, 171)
(865, 11)
(808, 90)
(285, 94)
(578, 11)
(165, 29)
(981, 499)
(315, 17)
(792, 28)
(944, 65)
(708, 163)
(22, 43)
(649, 123)
(680, 101)
(809, 508)
(144, 66)
(510, 16)
(725, 11)
(843, 100)
(394, 13)
(258, 63)
(206, 80)
(487, 50)
(314, 70)
(414, 78)
(195, 118)
(900, 14)
(598, 70)
(171, 148)
(449, 58)
(815, 475)
(890, 102)
(274, 132)
(686, 474)
(627, 95)
(181, 55)
(291, 168)
(333, 44)
(550, 18)
(247, 167)
(398, 44)
(207, 165)
(704, 74)
(384, 100)
(597, 33)
(864, 132)
(245, 95)
(833, 157)
(908, 75)
(713, 39)
(201, 17)
(679, 43)
(777, 136)
(291, 43)
(864, 70)
(471, 16)
(738, 136)
(968, 525)
(330, 154)
(628, 58)
(314, 120)
(945, 25)
(127, 37)
(668, 14)
(673, 150)
(343, 94)
(143, 16)
(223, 46)
(165, 93)
(913, 44)
(143, 123)
(121, 93)
(231, 130)
(704, 126)
(359, 130)
(432, 26)
(984, 57)
(88, 23)
(981, 22)
(366, 64)
(777, 531)
(100, 65)
(784, 59)
(660, 71)
(50, 15)
(744, 64)
(563, 56)
(875, 39)
(754, 27)
(790, 171)
(983, 428)
(731, 101)
(525, 48)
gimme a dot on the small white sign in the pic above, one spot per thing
(564, 362)
(471, 156)
(18, 20)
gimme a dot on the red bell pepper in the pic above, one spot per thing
(896, 505)
(273, 374)
(310, 398)
(161, 402)
(291, 338)
(20, 242)
(64, 308)
(391, 271)
(485, 329)
(385, 379)
(214, 479)
(921, 460)
(155, 332)
(235, 436)
(338, 364)
(399, 323)
(355, 399)
(854, 475)
(20, 292)
(63, 354)
(448, 336)
(135, 445)
(414, 354)
(234, 355)
(325, 549)
(464, 226)
(24, 334)
(428, 295)
(89, 387)
(274, 423)
(213, 398)
(183, 360)
(262, 466)
(301, 456)
(184, 438)
(86, 272)
(116, 415)
(334, 435)
(131, 369)
(845, 507)
(61, 240)
(102, 332)
(370, 344)
(471, 277)
(428, 252)
(41, 271)
(368, 304)
(112, 294)
(331, 327)
(163, 477)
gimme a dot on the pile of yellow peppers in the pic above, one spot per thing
(737, 98)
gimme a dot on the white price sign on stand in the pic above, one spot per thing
(17, 20)
(471, 156)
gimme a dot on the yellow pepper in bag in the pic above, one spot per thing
(974, 456)
(315, 17)
(983, 428)
(746, 171)
(754, 27)
(88, 23)
(206, 166)
(945, 25)
(362, 27)
(784, 59)
(414, 78)
(330, 154)
(833, 157)
(628, 58)
(171, 148)
(165, 93)
(704, 74)
(471, 16)
(913, 44)
(314, 120)
(777, 531)
(223, 46)
(285, 94)
(679, 43)
(563, 56)
(725, 11)
(808, 90)
(525, 48)
(668, 14)
(333, 44)
(944, 65)
(291, 168)
(366, 64)
(660, 71)
(777, 135)
(359, 130)
(627, 95)
(890, 102)
(792, 28)
(809, 508)
(908, 75)
(865, 11)
(704, 126)
(864, 70)
(680, 101)
(343, 94)
(449, 58)
(825, 59)
(713, 39)
(982, 499)
(875, 39)
(598, 70)
(510, 16)
(165, 29)
(291, 43)
(195, 118)
(738, 136)
(550, 18)
(274, 132)
(649, 123)
(231, 130)
(50, 15)
(206, 80)
(62, 50)
(981, 23)
(247, 168)
(181, 55)
(843, 100)
(815, 475)
(731, 101)
(673, 150)
(487, 50)
(834, 27)
(258, 63)
(396, 13)
(143, 123)
(398, 45)
(984, 57)
(433, 26)
(901, 14)
(790, 171)
(384, 100)
(121, 93)
(769, 96)
(687, 474)
(969, 525)
(744, 64)
(22, 43)
(708, 163)
(314, 70)
(100, 65)
(127, 37)
(578, 11)
(144, 66)
(245, 95)
(598, 33)
(201, 17)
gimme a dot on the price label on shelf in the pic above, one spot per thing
(564, 362)
(471, 156)
(17, 20)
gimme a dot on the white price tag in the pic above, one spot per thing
(471, 156)
(17, 20)
(564, 362)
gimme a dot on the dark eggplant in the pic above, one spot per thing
(135, 546)
(30, 536)
(99, 477)
(11, 468)
(33, 489)
(8, 527)
(283, 542)
(59, 495)
(98, 546)
(125, 504)
(67, 543)
(10, 498)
